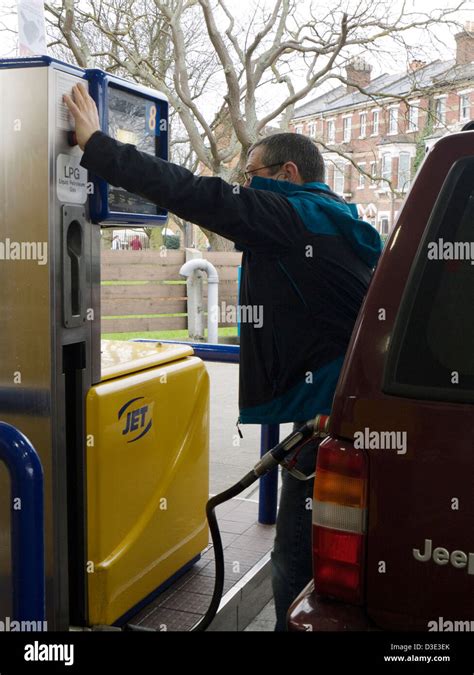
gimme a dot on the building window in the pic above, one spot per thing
(413, 117)
(375, 122)
(393, 120)
(339, 178)
(386, 168)
(361, 181)
(298, 130)
(440, 111)
(403, 171)
(312, 129)
(346, 129)
(363, 125)
(383, 225)
(373, 173)
(464, 107)
(331, 129)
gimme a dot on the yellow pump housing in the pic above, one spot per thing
(147, 472)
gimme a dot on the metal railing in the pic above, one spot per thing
(269, 435)
(27, 524)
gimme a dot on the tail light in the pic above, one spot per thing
(339, 520)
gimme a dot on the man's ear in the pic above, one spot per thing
(292, 171)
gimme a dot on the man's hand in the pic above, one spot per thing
(84, 110)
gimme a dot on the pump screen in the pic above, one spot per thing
(133, 119)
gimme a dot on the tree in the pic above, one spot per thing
(191, 48)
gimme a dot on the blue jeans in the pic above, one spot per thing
(291, 555)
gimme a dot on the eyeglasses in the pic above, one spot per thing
(248, 174)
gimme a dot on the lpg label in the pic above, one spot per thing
(71, 180)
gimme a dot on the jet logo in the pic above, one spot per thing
(136, 422)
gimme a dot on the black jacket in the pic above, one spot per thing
(307, 261)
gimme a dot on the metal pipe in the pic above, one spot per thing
(201, 265)
(267, 503)
(27, 524)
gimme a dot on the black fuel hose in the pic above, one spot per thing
(211, 505)
(268, 462)
(222, 497)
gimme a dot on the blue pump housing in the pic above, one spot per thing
(131, 114)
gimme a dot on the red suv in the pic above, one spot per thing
(393, 509)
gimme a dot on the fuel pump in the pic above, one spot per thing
(121, 428)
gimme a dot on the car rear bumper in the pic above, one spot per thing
(312, 612)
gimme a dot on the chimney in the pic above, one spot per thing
(416, 64)
(358, 73)
(465, 44)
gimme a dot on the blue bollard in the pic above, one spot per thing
(27, 524)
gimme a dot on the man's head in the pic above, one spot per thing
(291, 157)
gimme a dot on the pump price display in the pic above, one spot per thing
(152, 124)
(133, 119)
(126, 136)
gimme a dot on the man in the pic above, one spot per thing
(136, 243)
(306, 265)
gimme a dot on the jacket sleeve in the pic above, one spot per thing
(252, 218)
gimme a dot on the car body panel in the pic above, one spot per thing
(425, 492)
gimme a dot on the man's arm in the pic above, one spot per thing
(253, 218)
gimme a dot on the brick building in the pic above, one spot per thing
(373, 140)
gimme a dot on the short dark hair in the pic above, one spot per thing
(288, 147)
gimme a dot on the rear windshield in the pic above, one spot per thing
(432, 350)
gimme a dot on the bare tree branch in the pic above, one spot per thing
(227, 80)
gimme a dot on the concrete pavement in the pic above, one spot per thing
(232, 456)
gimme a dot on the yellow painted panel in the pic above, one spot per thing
(120, 357)
(148, 482)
